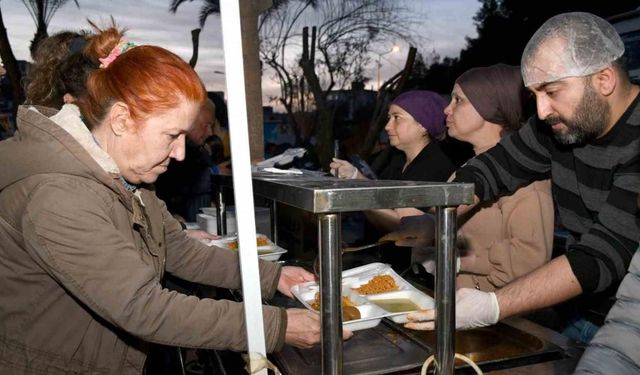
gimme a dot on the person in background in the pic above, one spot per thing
(186, 186)
(416, 123)
(586, 138)
(215, 148)
(85, 242)
(415, 126)
(511, 235)
(221, 123)
(614, 349)
(44, 86)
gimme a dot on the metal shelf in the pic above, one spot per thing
(328, 197)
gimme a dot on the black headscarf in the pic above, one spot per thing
(497, 93)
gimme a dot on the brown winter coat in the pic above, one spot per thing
(81, 260)
(508, 238)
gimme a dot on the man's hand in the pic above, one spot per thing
(303, 328)
(291, 276)
(414, 231)
(201, 235)
(474, 309)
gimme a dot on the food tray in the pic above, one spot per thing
(270, 251)
(370, 306)
(371, 314)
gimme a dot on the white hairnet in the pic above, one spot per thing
(570, 45)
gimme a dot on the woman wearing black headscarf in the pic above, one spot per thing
(512, 235)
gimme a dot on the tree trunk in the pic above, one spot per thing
(249, 12)
(324, 123)
(41, 30)
(11, 65)
(195, 40)
(292, 121)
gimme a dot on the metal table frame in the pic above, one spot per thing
(327, 198)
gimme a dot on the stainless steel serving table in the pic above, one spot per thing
(328, 197)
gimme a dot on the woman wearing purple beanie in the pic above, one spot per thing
(415, 126)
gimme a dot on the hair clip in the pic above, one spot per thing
(122, 47)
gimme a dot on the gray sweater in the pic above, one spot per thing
(616, 347)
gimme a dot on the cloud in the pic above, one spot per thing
(446, 24)
(149, 22)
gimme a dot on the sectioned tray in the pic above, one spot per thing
(270, 251)
(372, 307)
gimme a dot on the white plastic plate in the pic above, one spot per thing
(356, 277)
(270, 252)
(371, 313)
(420, 299)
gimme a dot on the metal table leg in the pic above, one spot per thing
(274, 221)
(221, 213)
(329, 238)
(445, 289)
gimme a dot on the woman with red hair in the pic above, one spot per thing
(85, 242)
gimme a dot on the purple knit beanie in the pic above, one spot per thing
(426, 107)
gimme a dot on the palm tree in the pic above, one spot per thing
(250, 10)
(208, 8)
(41, 11)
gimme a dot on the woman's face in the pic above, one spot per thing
(462, 118)
(403, 130)
(146, 148)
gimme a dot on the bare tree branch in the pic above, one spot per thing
(347, 30)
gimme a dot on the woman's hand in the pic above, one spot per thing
(291, 276)
(343, 169)
(303, 328)
(200, 235)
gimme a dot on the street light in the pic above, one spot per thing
(393, 49)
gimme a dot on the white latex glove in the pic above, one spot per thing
(474, 308)
(422, 255)
(343, 169)
(427, 257)
(414, 231)
(430, 266)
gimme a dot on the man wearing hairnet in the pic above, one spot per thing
(586, 138)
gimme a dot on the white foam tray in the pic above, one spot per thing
(371, 314)
(270, 252)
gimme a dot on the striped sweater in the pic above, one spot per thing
(595, 186)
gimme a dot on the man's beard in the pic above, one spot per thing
(590, 119)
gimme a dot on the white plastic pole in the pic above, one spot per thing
(243, 187)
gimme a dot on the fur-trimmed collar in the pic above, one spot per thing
(68, 118)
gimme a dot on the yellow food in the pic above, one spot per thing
(378, 284)
(350, 313)
(260, 241)
(349, 309)
(316, 302)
